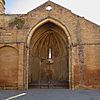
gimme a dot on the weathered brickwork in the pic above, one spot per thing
(84, 46)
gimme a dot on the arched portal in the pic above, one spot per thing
(48, 65)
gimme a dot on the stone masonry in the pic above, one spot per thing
(15, 36)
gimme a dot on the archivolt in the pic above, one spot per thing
(54, 21)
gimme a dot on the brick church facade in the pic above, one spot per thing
(49, 47)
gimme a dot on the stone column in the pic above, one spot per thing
(27, 67)
(21, 67)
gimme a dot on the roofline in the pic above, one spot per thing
(3, 1)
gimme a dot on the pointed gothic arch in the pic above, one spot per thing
(52, 20)
(64, 39)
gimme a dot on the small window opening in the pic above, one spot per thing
(48, 8)
(50, 53)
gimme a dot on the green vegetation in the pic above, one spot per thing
(18, 22)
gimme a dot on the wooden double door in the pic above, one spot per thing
(49, 73)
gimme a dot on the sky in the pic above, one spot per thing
(84, 8)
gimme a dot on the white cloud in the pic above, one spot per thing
(87, 8)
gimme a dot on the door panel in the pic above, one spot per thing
(46, 74)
